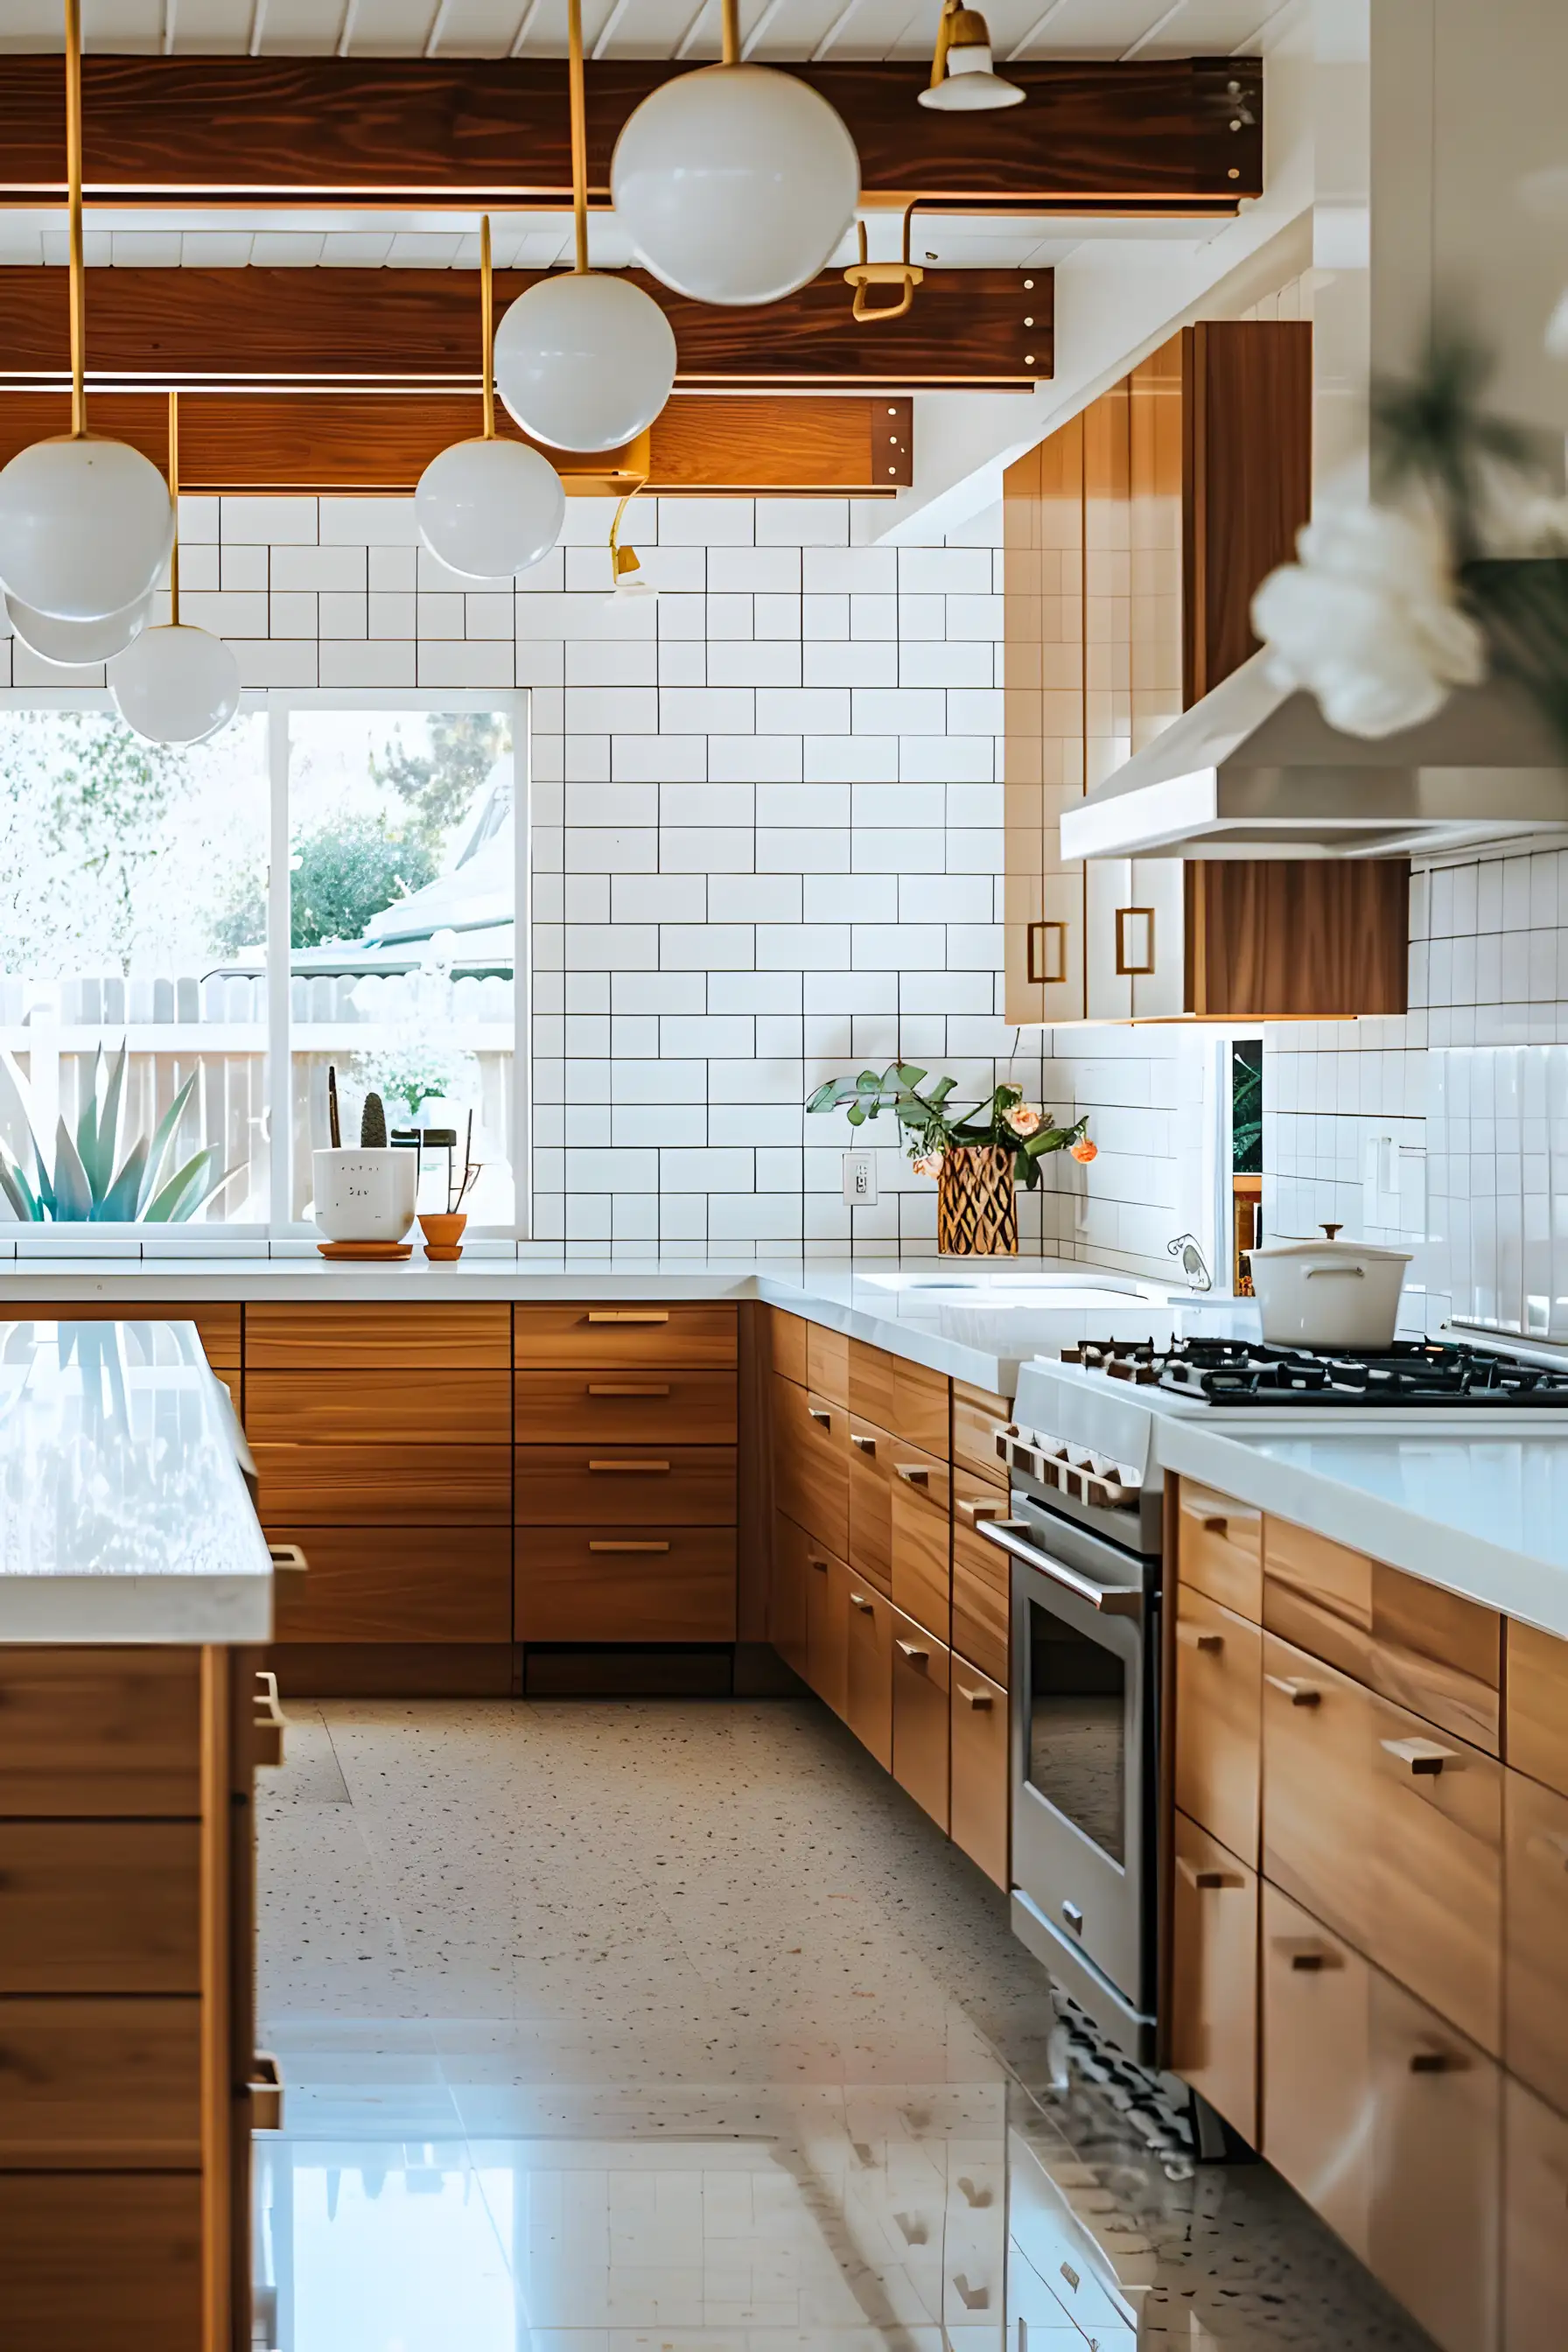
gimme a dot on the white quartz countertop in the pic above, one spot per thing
(123, 1512)
(976, 1321)
(1484, 1515)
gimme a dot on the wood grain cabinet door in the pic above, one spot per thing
(624, 1405)
(1214, 1989)
(372, 1335)
(1535, 1941)
(99, 1733)
(811, 1463)
(981, 1591)
(827, 1626)
(632, 1485)
(99, 2085)
(922, 1539)
(397, 1584)
(378, 1407)
(1317, 1746)
(786, 1593)
(921, 1683)
(626, 1584)
(872, 1451)
(981, 1784)
(1538, 1705)
(1219, 1708)
(142, 2289)
(99, 1908)
(869, 1682)
(695, 1334)
(1220, 1548)
(978, 1419)
(1535, 2224)
(1316, 2118)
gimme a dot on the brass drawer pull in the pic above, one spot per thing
(288, 1560)
(820, 1414)
(1128, 966)
(914, 1474)
(972, 1511)
(266, 2088)
(914, 1652)
(859, 1601)
(1215, 1527)
(628, 1315)
(1438, 2061)
(593, 1546)
(1192, 1639)
(1205, 1880)
(1308, 1957)
(595, 1468)
(866, 1445)
(978, 1699)
(628, 1388)
(1299, 1694)
(820, 1565)
(270, 1721)
(1046, 964)
(1421, 1754)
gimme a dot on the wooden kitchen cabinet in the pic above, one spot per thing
(411, 1584)
(694, 1336)
(1537, 1734)
(827, 1628)
(621, 1405)
(629, 1485)
(1214, 1988)
(1314, 2113)
(1219, 1714)
(810, 1462)
(379, 1408)
(921, 1680)
(899, 1395)
(99, 1733)
(382, 1486)
(868, 1670)
(1535, 1939)
(922, 1539)
(982, 1624)
(1219, 1549)
(786, 1593)
(615, 1584)
(135, 2282)
(98, 1906)
(871, 1455)
(828, 1363)
(978, 1419)
(373, 1336)
(978, 1805)
(1534, 2222)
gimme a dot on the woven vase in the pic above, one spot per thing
(977, 1205)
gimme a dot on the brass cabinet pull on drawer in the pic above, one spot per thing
(1129, 966)
(1215, 1527)
(628, 1315)
(266, 2088)
(820, 1565)
(1046, 964)
(593, 1546)
(1421, 1754)
(866, 1445)
(979, 1699)
(819, 1414)
(914, 1474)
(973, 1511)
(597, 1467)
(1192, 1639)
(1204, 1879)
(270, 1720)
(914, 1652)
(288, 1560)
(1299, 1694)
(1438, 2061)
(1309, 1956)
(859, 1601)
(628, 1388)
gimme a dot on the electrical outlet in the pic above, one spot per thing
(859, 1178)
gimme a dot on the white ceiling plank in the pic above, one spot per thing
(764, 26)
(437, 26)
(683, 46)
(1258, 39)
(1043, 21)
(835, 32)
(524, 26)
(1152, 32)
(346, 31)
(258, 26)
(610, 27)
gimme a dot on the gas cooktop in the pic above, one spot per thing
(1412, 1373)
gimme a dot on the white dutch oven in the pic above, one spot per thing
(1328, 1293)
(364, 1196)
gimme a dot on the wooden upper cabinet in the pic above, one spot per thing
(1134, 538)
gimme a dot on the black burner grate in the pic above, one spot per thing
(1412, 1372)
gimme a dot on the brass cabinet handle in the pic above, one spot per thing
(866, 1445)
(819, 1414)
(628, 1388)
(820, 1565)
(973, 1511)
(1422, 1755)
(1126, 969)
(288, 1560)
(914, 1652)
(979, 1699)
(914, 1474)
(1051, 969)
(628, 1315)
(266, 2088)
(1204, 1879)
(1299, 1694)
(594, 1546)
(595, 1468)
(1215, 1527)
(1308, 1957)
(271, 1722)
(1437, 2060)
(1193, 1639)
(859, 1601)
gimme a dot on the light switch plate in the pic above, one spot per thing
(859, 1178)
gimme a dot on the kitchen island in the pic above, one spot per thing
(134, 1584)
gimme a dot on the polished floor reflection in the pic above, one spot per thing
(677, 2028)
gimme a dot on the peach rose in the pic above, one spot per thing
(928, 1164)
(1083, 1151)
(1023, 1119)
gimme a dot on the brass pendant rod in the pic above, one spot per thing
(732, 32)
(578, 87)
(73, 184)
(174, 503)
(943, 31)
(487, 325)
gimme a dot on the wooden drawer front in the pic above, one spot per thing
(99, 1908)
(1535, 2239)
(614, 1584)
(1219, 1707)
(99, 2084)
(643, 1405)
(1405, 1862)
(786, 1592)
(1535, 1937)
(1428, 1651)
(869, 1678)
(811, 1463)
(900, 1396)
(384, 1486)
(980, 1597)
(98, 1732)
(217, 1326)
(397, 1584)
(1213, 1992)
(981, 1783)
(626, 1485)
(1220, 1548)
(828, 1587)
(1314, 2112)
(922, 1539)
(125, 2270)
(828, 1363)
(977, 1416)
(871, 1452)
(697, 1337)
(377, 1408)
(1538, 1705)
(339, 1338)
(787, 1344)
(921, 1686)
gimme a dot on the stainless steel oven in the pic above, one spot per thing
(1085, 1745)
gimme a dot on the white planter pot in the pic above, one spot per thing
(364, 1196)
(1328, 1294)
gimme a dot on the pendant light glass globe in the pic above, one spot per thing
(74, 644)
(86, 527)
(175, 684)
(735, 183)
(489, 507)
(585, 360)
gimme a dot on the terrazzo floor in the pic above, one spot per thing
(637, 2027)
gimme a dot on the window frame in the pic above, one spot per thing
(281, 1233)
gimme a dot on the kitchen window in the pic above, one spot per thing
(190, 939)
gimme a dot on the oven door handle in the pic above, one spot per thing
(1111, 1600)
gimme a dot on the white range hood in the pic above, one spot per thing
(1255, 770)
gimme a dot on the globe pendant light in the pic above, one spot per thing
(175, 684)
(735, 183)
(584, 360)
(961, 81)
(488, 508)
(85, 524)
(77, 643)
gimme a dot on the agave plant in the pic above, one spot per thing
(92, 1184)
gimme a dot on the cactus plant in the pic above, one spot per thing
(87, 1185)
(373, 1125)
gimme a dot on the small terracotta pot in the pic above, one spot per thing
(442, 1234)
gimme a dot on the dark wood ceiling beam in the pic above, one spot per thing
(266, 444)
(1160, 135)
(401, 330)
